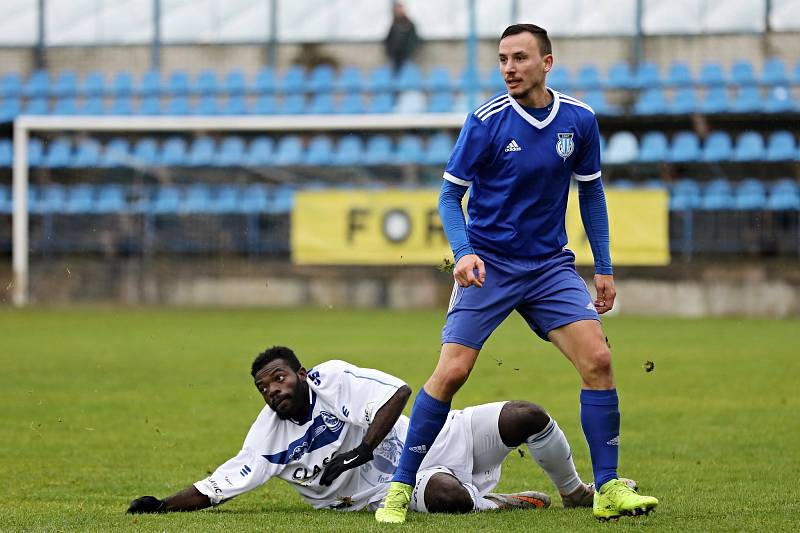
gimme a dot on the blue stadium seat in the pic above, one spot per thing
(320, 151)
(380, 80)
(58, 153)
(116, 154)
(289, 151)
(748, 100)
(619, 76)
(651, 102)
(150, 105)
(150, 84)
(225, 199)
(653, 148)
(10, 85)
(559, 79)
(255, 199)
(178, 84)
(66, 84)
(35, 152)
(145, 152)
(6, 153)
(265, 105)
(684, 102)
(197, 199)
(173, 152)
(679, 75)
(48, 199)
(265, 81)
(294, 104)
(382, 103)
(38, 85)
(750, 194)
(784, 195)
(718, 194)
(65, 106)
(92, 106)
(349, 151)
(711, 75)
(588, 77)
(781, 146)
(177, 105)
(441, 102)
(596, 99)
(717, 147)
(648, 76)
(492, 80)
(379, 150)
(121, 84)
(749, 147)
(281, 201)
(207, 105)
(774, 72)
(167, 200)
(293, 81)
(79, 199)
(236, 104)
(438, 149)
(206, 83)
(409, 78)
(685, 148)
(234, 83)
(94, 84)
(352, 103)
(87, 154)
(202, 152)
(779, 100)
(36, 106)
(259, 152)
(653, 183)
(742, 73)
(321, 104)
(410, 102)
(623, 147)
(231, 152)
(349, 80)
(321, 79)
(6, 204)
(9, 109)
(623, 184)
(685, 195)
(438, 80)
(121, 105)
(409, 150)
(715, 101)
(110, 199)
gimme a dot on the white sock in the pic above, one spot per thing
(479, 502)
(551, 451)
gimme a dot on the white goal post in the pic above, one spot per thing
(25, 125)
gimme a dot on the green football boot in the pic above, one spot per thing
(395, 504)
(615, 498)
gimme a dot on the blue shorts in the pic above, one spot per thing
(547, 292)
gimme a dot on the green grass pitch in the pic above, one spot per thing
(102, 405)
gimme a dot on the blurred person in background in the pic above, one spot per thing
(402, 40)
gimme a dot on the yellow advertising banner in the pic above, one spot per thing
(397, 227)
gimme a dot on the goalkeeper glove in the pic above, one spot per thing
(147, 504)
(341, 463)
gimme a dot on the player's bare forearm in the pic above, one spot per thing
(386, 417)
(606, 292)
(188, 499)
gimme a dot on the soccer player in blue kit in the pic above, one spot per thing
(518, 152)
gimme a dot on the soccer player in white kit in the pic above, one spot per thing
(335, 433)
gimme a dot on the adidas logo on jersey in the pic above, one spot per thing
(419, 449)
(513, 147)
(590, 306)
(614, 441)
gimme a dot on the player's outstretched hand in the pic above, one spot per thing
(604, 284)
(464, 271)
(344, 462)
(147, 504)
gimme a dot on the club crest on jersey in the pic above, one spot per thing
(331, 421)
(565, 145)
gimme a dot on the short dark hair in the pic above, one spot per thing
(540, 33)
(271, 354)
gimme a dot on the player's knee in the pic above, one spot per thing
(453, 377)
(598, 363)
(445, 494)
(519, 420)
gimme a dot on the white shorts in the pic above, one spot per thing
(469, 448)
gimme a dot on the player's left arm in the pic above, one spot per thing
(594, 214)
(188, 499)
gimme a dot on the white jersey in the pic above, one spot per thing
(344, 400)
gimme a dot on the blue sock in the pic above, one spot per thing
(427, 418)
(600, 422)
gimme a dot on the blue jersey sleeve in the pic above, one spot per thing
(594, 214)
(453, 219)
(469, 152)
(587, 166)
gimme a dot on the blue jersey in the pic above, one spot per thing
(519, 169)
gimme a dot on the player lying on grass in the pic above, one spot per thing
(335, 433)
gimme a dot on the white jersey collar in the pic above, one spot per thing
(538, 124)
